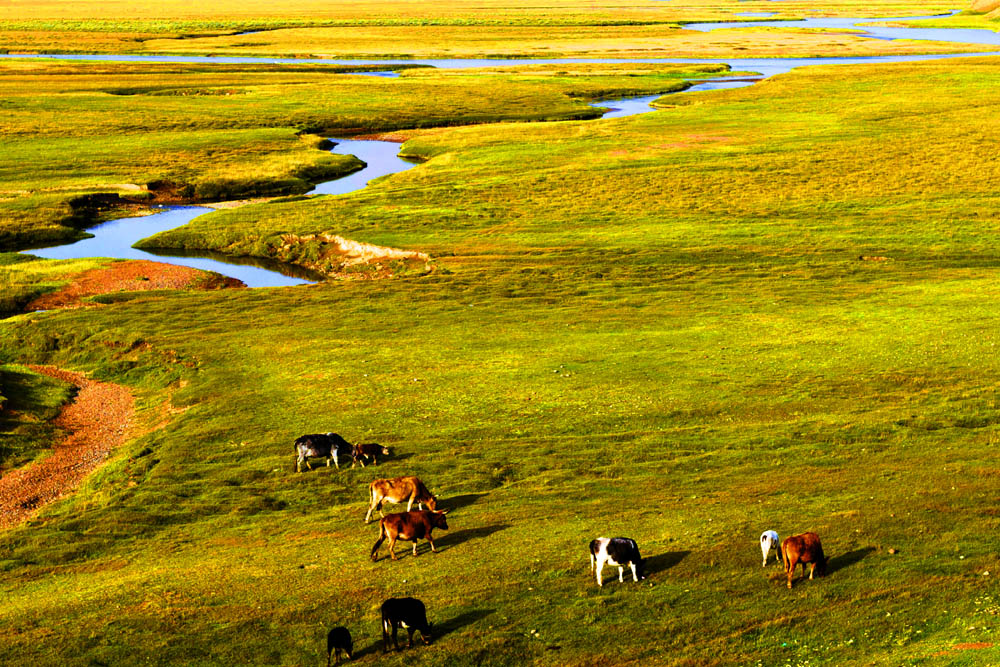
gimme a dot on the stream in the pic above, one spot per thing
(115, 238)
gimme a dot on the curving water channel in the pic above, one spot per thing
(115, 238)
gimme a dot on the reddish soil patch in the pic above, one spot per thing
(396, 137)
(98, 420)
(131, 276)
(973, 646)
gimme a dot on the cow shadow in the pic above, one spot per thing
(663, 562)
(460, 621)
(461, 536)
(464, 500)
(846, 560)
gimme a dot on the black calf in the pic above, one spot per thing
(338, 639)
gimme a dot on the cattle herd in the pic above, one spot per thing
(414, 525)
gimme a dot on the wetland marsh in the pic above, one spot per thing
(761, 307)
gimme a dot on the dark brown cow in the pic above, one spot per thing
(398, 490)
(804, 548)
(408, 526)
(369, 450)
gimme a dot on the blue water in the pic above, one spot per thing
(379, 156)
(115, 239)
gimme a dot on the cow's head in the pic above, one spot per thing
(438, 520)
(385, 451)
(821, 567)
(432, 503)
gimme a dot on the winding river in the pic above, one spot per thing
(115, 238)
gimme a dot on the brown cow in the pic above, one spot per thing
(369, 450)
(804, 548)
(398, 490)
(408, 526)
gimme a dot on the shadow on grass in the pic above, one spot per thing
(438, 630)
(663, 562)
(458, 502)
(459, 622)
(848, 559)
(461, 536)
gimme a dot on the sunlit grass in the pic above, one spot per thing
(225, 132)
(773, 307)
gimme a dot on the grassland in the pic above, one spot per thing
(211, 132)
(772, 307)
(28, 402)
(420, 28)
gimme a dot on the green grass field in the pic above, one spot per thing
(420, 28)
(762, 308)
(212, 132)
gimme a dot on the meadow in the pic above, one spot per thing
(420, 28)
(769, 307)
(154, 133)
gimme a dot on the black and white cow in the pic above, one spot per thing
(327, 445)
(620, 551)
(408, 613)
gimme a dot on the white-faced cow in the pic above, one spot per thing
(620, 551)
(804, 548)
(408, 613)
(769, 540)
(369, 450)
(399, 490)
(411, 526)
(327, 445)
(338, 639)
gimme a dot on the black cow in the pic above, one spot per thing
(338, 639)
(408, 613)
(620, 551)
(328, 445)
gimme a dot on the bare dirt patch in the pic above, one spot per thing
(97, 421)
(130, 276)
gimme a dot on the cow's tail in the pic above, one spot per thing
(381, 539)
(784, 557)
(295, 462)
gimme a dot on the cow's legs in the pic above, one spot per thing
(414, 547)
(812, 568)
(432, 543)
(635, 575)
(333, 456)
(394, 641)
(790, 571)
(392, 547)
(593, 563)
(409, 505)
(409, 632)
(600, 568)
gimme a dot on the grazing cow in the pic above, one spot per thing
(408, 613)
(804, 548)
(620, 551)
(328, 445)
(769, 540)
(338, 639)
(400, 489)
(411, 526)
(369, 450)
